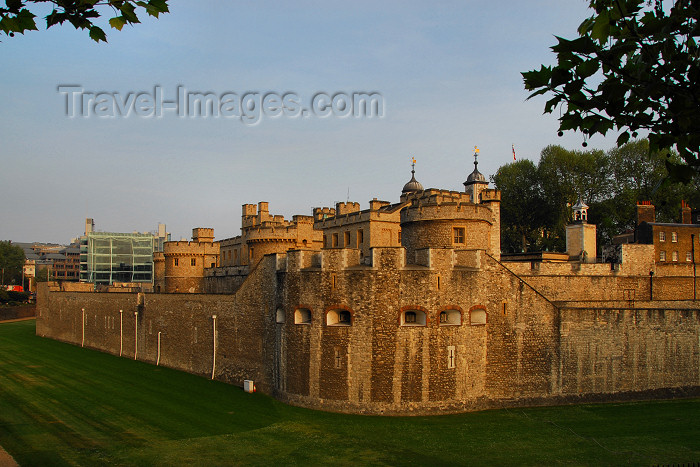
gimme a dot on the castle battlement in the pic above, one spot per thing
(392, 258)
(189, 247)
(433, 210)
(437, 196)
(341, 220)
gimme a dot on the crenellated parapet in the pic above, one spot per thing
(263, 233)
(381, 258)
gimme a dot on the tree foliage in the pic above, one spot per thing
(634, 67)
(11, 262)
(525, 206)
(536, 200)
(16, 16)
(43, 274)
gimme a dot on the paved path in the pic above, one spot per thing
(14, 321)
(6, 460)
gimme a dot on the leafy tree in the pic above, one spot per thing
(634, 67)
(536, 200)
(523, 207)
(43, 274)
(11, 262)
(16, 17)
(566, 176)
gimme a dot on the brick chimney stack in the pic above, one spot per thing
(645, 212)
(686, 213)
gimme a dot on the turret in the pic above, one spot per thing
(476, 182)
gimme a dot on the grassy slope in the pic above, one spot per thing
(62, 405)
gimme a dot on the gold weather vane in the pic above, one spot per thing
(476, 150)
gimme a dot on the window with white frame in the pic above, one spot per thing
(674, 256)
(674, 237)
(451, 356)
(662, 255)
(689, 256)
(662, 236)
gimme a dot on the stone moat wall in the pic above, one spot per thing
(506, 342)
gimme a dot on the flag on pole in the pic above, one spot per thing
(513, 151)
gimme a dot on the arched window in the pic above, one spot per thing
(302, 316)
(477, 316)
(450, 318)
(413, 318)
(338, 318)
(280, 316)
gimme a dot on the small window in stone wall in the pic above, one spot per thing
(450, 318)
(451, 358)
(337, 357)
(177, 262)
(279, 318)
(346, 239)
(302, 316)
(458, 233)
(413, 318)
(338, 318)
(360, 237)
(193, 262)
(335, 240)
(477, 317)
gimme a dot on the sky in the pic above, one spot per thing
(447, 75)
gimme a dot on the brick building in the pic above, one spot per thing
(673, 242)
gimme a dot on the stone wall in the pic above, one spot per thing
(613, 348)
(506, 342)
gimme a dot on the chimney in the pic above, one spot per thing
(645, 212)
(686, 213)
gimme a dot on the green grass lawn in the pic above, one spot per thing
(63, 405)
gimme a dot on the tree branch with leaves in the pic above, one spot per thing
(634, 67)
(16, 17)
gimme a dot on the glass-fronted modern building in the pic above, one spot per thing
(106, 257)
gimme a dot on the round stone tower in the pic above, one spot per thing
(452, 219)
